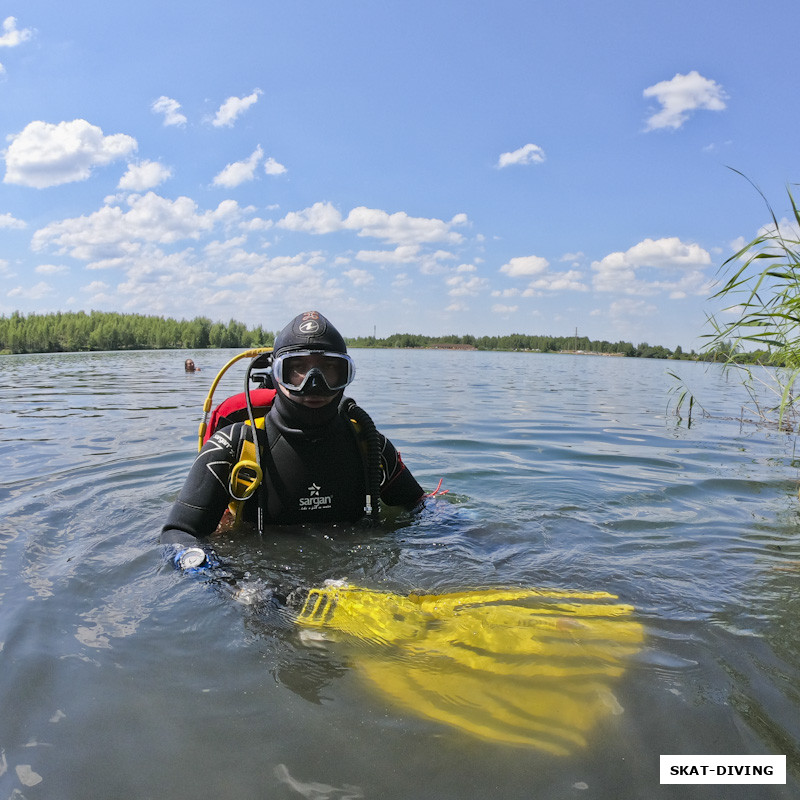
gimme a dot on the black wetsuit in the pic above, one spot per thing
(311, 475)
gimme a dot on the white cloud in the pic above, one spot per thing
(398, 228)
(272, 167)
(359, 277)
(171, 109)
(499, 308)
(505, 293)
(230, 110)
(682, 95)
(738, 244)
(319, 218)
(9, 221)
(36, 292)
(525, 265)
(787, 230)
(240, 171)
(570, 281)
(617, 272)
(12, 35)
(52, 269)
(112, 236)
(216, 250)
(544, 280)
(256, 224)
(428, 263)
(143, 176)
(402, 280)
(95, 286)
(44, 154)
(529, 154)
(461, 286)
(403, 254)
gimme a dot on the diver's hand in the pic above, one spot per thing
(195, 559)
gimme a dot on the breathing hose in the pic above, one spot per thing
(257, 447)
(372, 463)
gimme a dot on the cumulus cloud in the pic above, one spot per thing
(461, 286)
(403, 254)
(787, 230)
(52, 269)
(10, 221)
(682, 95)
(398, 228)
(429, 263)
(662, 259)
(44, 154)
(240, 171)
(143, 176)
(525, 265)
(171, 109)
(272, 167)
(359, 277)
(37, 292)
(319, 218)
(570, 281)
(500, 308)
(529, 154)
(232, 108)
(538, 268)
(12, 36)
(111, 236)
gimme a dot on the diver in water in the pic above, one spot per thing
(315, 462)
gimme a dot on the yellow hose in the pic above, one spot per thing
(256, 351)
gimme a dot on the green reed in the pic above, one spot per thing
(763, 280)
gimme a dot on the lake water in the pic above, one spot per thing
(122, 678)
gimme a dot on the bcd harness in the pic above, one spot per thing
(247, 474)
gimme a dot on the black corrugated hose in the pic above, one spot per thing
(372, 465)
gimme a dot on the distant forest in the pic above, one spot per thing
(78, 331)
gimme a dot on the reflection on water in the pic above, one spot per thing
(121, 678)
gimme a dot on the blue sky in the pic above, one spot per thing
(420, 166)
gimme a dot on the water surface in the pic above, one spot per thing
(122, 678)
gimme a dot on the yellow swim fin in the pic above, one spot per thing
(529, 667)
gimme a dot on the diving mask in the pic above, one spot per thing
(318, 372)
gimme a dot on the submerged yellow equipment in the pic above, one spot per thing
(527, 667)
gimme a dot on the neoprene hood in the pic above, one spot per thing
(309, 331)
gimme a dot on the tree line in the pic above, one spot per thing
(722, 351)
(99, 330)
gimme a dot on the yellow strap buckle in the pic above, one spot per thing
(245, 478)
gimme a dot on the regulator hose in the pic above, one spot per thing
(372, 464)
(254, 431)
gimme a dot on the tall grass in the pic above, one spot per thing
(763, 282)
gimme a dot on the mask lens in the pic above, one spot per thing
(336, 370)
